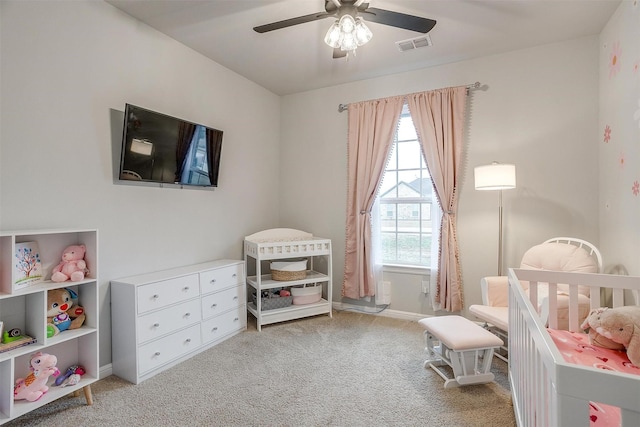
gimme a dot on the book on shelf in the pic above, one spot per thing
(27, 265)
(20, 342)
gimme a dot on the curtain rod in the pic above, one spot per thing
(345, 107)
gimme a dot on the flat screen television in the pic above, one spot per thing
(163, 149)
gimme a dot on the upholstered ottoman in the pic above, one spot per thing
(461, 344)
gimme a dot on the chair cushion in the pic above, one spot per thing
(497, 316)
(560, 257)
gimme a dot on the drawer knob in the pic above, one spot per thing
(214, 305)
(188, 340)
(215, 328)
(212, 281)
(155, 325)
(156, 296)
(235, 298)
(234, 275)
(187, 314)
(157, 354)
(235, 320)
(186, 288)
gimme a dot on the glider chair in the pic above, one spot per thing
(557, 254)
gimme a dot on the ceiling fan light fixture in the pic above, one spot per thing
(348, 42)
(347, 24)
(333, 35)
(363, 33)
(347, 33)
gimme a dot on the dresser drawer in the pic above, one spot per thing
(219, 326)
(220, 278)
(161, 294)
(214, 304)
(159, 323)
(157, 353)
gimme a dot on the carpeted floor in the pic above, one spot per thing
(350, 370)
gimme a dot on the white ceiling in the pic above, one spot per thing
(295, 59)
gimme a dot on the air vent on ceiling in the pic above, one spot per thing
(418, 42)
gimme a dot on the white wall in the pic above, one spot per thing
(620, 155)
(539, 111)
(68, 68)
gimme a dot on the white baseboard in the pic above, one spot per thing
(106, 370)
(378, 311)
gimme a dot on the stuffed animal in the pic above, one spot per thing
(31, 388)
(620, 325)
(72, 267)
(591, 323)
(62, 311)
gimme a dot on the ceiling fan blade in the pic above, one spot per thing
(399, 20)
(290, 22)
(339, 53)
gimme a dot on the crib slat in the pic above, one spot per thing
(553, 305)
(618, 298)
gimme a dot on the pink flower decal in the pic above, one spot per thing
(635, 188)
(614, 60)
(607, 134)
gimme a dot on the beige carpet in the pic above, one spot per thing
(350, 370)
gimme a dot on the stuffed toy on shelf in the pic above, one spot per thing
(62, 311)
(31, 388)
(72, 267)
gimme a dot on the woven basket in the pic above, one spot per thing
(288, 275)
(273, 303)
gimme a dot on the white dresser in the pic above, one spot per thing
(163, 318)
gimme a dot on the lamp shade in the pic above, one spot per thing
(141, 146)
(496, 176)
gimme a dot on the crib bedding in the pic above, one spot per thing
(575, 348)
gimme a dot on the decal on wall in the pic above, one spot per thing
(607, 134)
(635, 188)
(621, 160)
(614, 59)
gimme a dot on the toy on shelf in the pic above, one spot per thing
(72, 267)
(71, 376)
(31, 388)
(62, 311)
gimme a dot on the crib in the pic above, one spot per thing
(547, 390)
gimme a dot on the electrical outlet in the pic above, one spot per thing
(425, 287)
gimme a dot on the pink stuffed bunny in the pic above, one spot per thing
(43, 365)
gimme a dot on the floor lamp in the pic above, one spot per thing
(496, 176)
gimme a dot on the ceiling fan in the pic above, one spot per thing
(349, 30)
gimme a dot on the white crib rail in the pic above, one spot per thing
(546, 390)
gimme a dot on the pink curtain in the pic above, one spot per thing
(439, 117)
(372, 126)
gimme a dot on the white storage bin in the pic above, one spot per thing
(307, 294)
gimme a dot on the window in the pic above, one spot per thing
(406, 201)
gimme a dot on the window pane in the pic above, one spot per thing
(389, 247)
(409, 155)
(388, 217)
(426, 218)
(425, 256)
(409, 248)
(388, 187)
(409, 183)
(408, 218)
(406, 130)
